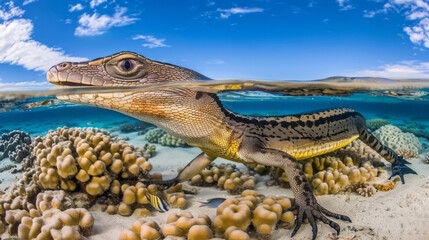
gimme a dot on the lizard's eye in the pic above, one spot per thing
(126, 65)
(127, 68)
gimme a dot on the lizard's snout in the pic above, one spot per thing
(55, 73)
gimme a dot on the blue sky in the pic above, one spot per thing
(259, 39)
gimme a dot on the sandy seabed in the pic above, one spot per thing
(402, 213)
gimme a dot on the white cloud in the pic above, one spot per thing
(95, 24)
(95, 3)
(77, 7)
(401, 70)
(226, 13)
(417, 15)
(416, 11)
(11, 12)
(344, 4)
(151, 41)
(419, 33)
(17, 47)
(13, 86)
(215, 62)
(28, 2)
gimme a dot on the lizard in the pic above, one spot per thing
(201, 120)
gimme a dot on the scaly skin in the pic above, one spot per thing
(200, 119)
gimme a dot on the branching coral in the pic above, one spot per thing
(407, 153)
(77, 168)
(225, 176)
(331, 173)
(91, 159)
(251, 209)
(366, 190)
(185, 223)
(142, 229)
(55, 224)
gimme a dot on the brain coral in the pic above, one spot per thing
(394, 138)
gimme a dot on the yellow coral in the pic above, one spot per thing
(182, 223)
(233, 215)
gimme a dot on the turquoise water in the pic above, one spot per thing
(397, 110)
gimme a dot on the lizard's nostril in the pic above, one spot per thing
(63, 66)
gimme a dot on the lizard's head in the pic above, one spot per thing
(134, 70)
(121, 69)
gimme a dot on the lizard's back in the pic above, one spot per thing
(309, 134)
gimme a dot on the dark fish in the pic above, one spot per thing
(158, 203)
(213, 202)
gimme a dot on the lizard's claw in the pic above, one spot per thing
(400, 169)
(313, 212)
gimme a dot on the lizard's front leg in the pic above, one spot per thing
(193, 168)
(306, 202)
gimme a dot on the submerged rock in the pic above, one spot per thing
(158, 135)
(16, 145)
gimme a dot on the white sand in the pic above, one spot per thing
(7, 178)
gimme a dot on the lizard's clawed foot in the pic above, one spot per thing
(315, 211)
(400, 169)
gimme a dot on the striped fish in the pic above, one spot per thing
(157, 202)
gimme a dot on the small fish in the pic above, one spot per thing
(213, 202)
(158, 203)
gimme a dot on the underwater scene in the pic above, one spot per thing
(72, 171)
(214, 119)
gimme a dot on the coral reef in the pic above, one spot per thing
(71, 224)
(407, 153)
(142, 229)
(70, 157)
(16, 145)
(427, 159)
(185, 224)
(374, 124)
(394, 138)
(333, 172)
(158, 135)
(366, 190)
(253, 211)
(387, 185)
(225, 176)
(415, 128)
(134, 127)
(72, 170)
